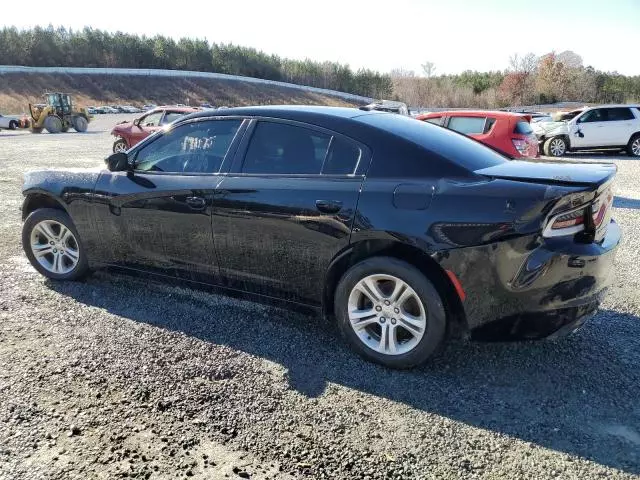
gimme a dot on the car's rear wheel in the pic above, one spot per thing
(389, 312)
(53, 124)
(120, 145)
(633, 148)
(13, 125)
(555, 147)
(53, 246)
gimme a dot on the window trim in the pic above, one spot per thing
(133, 154)
(238, 161)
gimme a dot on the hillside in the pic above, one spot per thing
(18, 89)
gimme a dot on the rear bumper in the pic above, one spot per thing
(533, 284)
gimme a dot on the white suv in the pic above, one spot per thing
(606, 127)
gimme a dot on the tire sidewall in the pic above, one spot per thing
(434, 308)
(629, 146)
(59, 216)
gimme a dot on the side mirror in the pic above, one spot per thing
(117, 162)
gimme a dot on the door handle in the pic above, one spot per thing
(196, 203)
(329, 206)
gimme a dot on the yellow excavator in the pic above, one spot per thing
(58, 115)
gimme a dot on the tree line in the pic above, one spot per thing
(528, 80)
(61, 47)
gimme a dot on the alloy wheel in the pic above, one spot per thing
(635, 147)
(119, 147)
(54, 247)
(386, 314)
(557, 147)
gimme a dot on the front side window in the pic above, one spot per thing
(151, 120)
(596, 115)
(619, 114)
(467, 125)
(197, 147)
(279, 148)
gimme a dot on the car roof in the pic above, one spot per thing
(620, 105)
(176, 108)
(289, 112)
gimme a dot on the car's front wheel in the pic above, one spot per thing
(53, 246)
(389, 312)
(555, 147)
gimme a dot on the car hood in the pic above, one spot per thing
(546, 128)
(586, 174)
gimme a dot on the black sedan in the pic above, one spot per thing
(403, 231)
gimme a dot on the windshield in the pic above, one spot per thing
(457, 148)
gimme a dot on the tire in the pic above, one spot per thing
(555, 147)
(65, 129)
(66, 258)
(53, 124)
(13, 125)
(422, 305)
(36, 130)
(80, 124)
(120, 145)
(633, 147)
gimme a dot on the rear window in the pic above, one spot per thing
(467, 125)
(458, 149)
(522, 127)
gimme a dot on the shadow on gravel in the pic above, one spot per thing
(624, 202)
(578, 395)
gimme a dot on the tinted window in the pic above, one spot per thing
(279, 148)
(618, 114)
(467, 125)
(151, 120)
(458, 149)
(343, 157)
(171, 117)
(596, 115)
(193, 148)
(523, 128)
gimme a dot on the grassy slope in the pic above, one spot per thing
(17, 90)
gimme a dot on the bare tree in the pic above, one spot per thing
(429, 69)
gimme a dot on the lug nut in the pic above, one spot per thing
(382, 319)
(396, 310)
(378, 308)
(51, 242)
(393, 321)
(386, 302)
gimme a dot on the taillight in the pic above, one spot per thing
(522, 146)
(567, 223)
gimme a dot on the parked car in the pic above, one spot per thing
(129, 133)
(403, 231)
(150, 106)
(607, 127)
(509, 133)
(541, 117)
(11, 122)
(387, 106)
(107, 109)
(92, 110)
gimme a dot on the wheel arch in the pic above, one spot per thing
(457, 322)
(39, 199)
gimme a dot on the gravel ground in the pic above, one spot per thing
(125, 377)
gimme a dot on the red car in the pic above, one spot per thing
(507, 132)
(129, 133)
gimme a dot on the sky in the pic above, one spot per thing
(455, 35)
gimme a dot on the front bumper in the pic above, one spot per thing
(531, 284)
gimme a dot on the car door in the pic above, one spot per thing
(286, 208)
(621, 124)
(590, 129)
(157, 216)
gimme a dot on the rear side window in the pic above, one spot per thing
(280, 148)
(522, 127)
(619, 114)
(435, 142)
(467, 125)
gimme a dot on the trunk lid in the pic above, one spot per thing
(592, 175)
